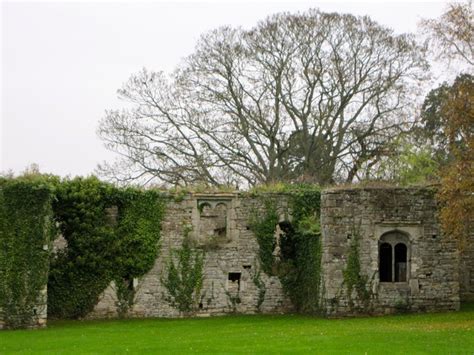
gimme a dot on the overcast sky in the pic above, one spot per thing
(62, 63)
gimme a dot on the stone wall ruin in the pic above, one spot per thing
(425, 277)
(405, 262)
(219, 225)
(381, 219)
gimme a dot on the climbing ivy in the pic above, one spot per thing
(233, 300)
(125, 296)
(25, 232)
(111, 234)
(303, 281)
(353, 277)
(82, 271)
(263, 225)
(137, 233)
(301, 278)
(184, 275)
(260, 284)
(101, 246)
(299, 266)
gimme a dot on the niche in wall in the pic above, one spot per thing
(213, 221)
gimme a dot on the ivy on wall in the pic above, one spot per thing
(113, 234)
(82, 271)
(184, 276)
(140, 214)
(261, 287)
(354, 280)
(101, 246)
(263, 225)
(299, 265)
(25, 232)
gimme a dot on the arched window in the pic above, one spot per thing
(393, 257)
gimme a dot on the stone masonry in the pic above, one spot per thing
(379, 218)
(404, 262)
(430, 272)
(220, 226)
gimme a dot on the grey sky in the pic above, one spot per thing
(62, 63)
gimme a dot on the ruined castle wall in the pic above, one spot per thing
(220, 227)
(368, 214)
(368, 217)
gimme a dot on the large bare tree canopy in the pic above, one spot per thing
(312, 97)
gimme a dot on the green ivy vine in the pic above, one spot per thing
(25, 233)
(101, 247)
(299, 266)
(263, 225)
(261, 287)
(184, 276)
(353, 277)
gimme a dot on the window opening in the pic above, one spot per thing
(234, 278)
(394, 257)
(400, 262)
(385, 267)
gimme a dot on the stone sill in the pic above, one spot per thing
(395, 285)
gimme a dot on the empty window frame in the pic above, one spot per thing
(393, 257)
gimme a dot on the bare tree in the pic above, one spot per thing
(452, 35)
(307, 97)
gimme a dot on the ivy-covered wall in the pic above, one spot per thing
(290, 243)
(208, 263)
(143, 253)
(25, 232)
(112, 235)
(251, 252)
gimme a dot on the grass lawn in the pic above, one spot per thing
(443, 333)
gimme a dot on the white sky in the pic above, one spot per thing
(62, 63)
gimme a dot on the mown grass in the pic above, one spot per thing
(441, 333)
